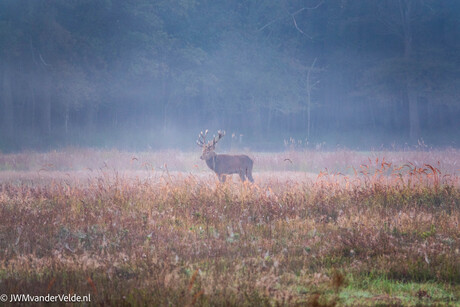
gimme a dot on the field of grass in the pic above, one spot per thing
(156, 228)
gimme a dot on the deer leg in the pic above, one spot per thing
(249, 174)
(241, 173)
(222, 178)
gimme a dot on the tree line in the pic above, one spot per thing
(151, 74)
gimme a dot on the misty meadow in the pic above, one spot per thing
(327, 166)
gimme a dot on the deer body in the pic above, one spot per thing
(223, 164)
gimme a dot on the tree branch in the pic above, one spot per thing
(307, 8)
(270, 23)
(293, 18)
(298, 29)
(41, 58)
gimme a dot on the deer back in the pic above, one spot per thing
(229, 164)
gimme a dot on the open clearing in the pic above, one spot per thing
(317, 228)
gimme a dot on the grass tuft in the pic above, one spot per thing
(369, 233)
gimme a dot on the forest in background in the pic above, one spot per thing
(142, 74)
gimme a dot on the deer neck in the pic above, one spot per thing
(211, 162)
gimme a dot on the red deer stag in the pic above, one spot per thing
(224, 165)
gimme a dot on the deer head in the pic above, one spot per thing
(208, 148)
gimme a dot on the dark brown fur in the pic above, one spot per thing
(224, 165)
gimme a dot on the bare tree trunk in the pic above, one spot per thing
(310, 87)
(414, 121)
(46, 106)
(7, 99)
(90, 117)
(406, 9)
(166, 98)
(66, 118)
(33, 106)
(269, 119)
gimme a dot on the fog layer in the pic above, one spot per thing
(145, 74)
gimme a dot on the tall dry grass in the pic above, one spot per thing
(159, 236)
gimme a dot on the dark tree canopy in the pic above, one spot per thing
(143, 74)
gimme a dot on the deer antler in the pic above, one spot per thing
(202, 138)
(211, 144)
(220, 134)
